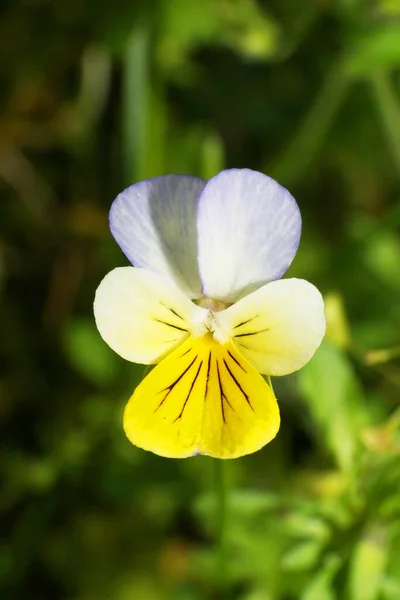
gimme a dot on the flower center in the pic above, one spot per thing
(210, 323)
(211, 304)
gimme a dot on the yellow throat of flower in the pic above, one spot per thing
(211, 326)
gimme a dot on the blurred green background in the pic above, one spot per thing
(96, 95)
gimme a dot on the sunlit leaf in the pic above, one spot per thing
(335, 399)
(375, 49)
(87, 352)
(337, 325)
(368, 565)
(302, 556)
(382, 256)
(320, 587)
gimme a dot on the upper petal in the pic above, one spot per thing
(248, 233)
(279, 327)
(143, 316)
(154, 223)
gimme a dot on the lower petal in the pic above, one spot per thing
(205, 398)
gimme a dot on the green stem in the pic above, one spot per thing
(221, 521)
(135, 103)
(300, 155)
(389, 108)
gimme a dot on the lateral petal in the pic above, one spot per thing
(205, 398)
(277, 328)
(143, 316)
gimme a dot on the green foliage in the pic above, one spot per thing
(86, 352)
(96, 95)
(375, 49)
(336, 402)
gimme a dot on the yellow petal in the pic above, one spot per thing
(277, 328)
(205, 398)
(143, 316)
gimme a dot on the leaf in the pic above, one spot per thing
(144, 112)
(302, 556)
(337, 326)
(382, 255)
(391, 588)
(368, 566)
(257, 594)
(242, 503)
(320, 588)
(245, 507)
(374, 50)
(238, 24)
(391, 7)
(212, 155)
(303, 525)
(335, 399)
(87, 352)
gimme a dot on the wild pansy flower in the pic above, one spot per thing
(205, 303)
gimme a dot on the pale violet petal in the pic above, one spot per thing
(278, 327)
(154, 223)
(142, 316)
(249, 230)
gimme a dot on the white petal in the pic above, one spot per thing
(143, 316)
(279, 327)
(248, 233)
(154, 223)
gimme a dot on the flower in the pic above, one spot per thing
(205, 304)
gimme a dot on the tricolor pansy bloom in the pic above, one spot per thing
(205, 303)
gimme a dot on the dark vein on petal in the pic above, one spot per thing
(252, 332)
(208, 375)
(173, 311)
(170, 325)
(222, 394)
(169, 388)
(236, 361)
(238, 385)
(245, 322)
(187, 352)
(190, 391)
